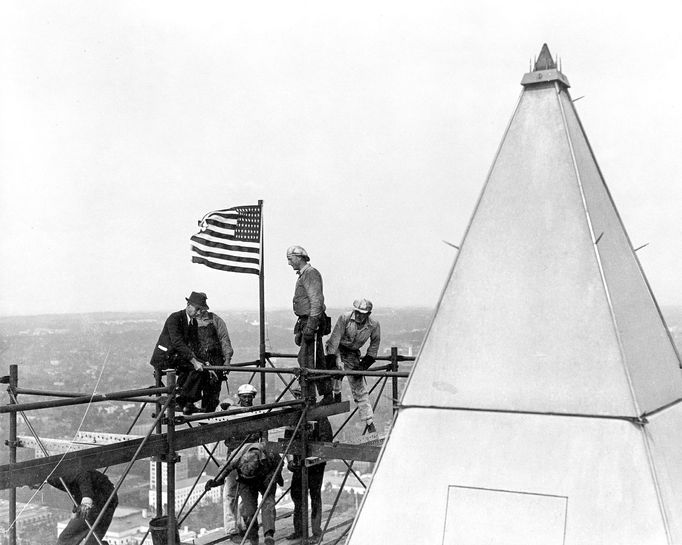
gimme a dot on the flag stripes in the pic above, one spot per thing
(229, 240)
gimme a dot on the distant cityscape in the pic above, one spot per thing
(106, 352)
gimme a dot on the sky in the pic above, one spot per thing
(367, 128)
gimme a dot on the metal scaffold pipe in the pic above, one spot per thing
(95, 398)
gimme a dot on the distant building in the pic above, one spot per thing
(29, 516)
(183, 488)
(181, 472)
(220, 451)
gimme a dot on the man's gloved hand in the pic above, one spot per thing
(209, 484)
(310, 328)
(85, 507)
(198, 365)
(366, 361)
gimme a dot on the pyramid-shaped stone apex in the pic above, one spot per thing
(545, 70)
(544, 61)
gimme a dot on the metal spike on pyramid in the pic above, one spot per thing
(545, 404)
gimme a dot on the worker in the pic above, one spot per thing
(232, 522)
(258, 472)
(321, 430)
(312, 323)
(214, 348)
(177, 349)
(351, 331)
(90, 490)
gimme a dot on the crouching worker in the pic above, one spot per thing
(91, 490)
(232, 521)
(351, 331)
(215, 348)
(176, 349)
(255, 468)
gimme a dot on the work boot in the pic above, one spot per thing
(370, 428)
(337, 398)
(190, 409)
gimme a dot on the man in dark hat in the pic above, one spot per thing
(177, 349)
(90, 490)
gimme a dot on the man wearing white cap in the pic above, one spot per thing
(312, 323)
(352, 330)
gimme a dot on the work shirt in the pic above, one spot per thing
(268, 463)
(308, 296)
(85, 484)
(224, 337)
(351, 335)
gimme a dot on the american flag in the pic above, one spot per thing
(229, 240)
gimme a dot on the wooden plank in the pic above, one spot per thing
(36, 471)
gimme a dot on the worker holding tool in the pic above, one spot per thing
(90, 490)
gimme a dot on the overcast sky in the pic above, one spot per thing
(367, 128)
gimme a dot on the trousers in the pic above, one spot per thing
(311, 356)
(315, 477)
(249, 496)
(231, 503)
(77, 529)
(358, 385)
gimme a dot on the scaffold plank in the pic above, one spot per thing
(36, 471)
(332, 451)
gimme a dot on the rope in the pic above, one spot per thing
(32, 429)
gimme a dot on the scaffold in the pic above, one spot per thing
(170, 432)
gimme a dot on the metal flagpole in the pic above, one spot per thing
(261, 300)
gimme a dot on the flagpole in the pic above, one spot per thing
(261, 300)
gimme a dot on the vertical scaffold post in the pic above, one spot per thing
(13, 380)
(158, 468)
(170, 460)
(394, 380)
(305, 388)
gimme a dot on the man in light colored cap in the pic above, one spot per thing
(312, 323)
(351, 331)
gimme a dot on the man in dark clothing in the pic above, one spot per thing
(312, 323)
(321, 431)
(176, 349)
(91, 490)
